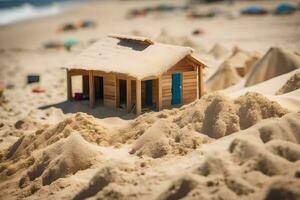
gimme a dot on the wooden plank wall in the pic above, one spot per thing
(109, 81)
(189, 86)
(189, 83)
(166, 90)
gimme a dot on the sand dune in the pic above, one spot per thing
(224, 77)
(270, 87)
(219, 51)
(269, 150)
(275, 62)
(228, 73)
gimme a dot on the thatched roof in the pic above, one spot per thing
(134, 56)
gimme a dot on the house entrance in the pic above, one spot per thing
(176, 88)
(122, 93)
(98, 82)
(149, 96)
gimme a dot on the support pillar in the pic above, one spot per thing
(69, 86)
(159, 94)
(128, 94)
(138, 102)
(91, 89)
(200, 82)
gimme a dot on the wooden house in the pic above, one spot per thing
(136, 73)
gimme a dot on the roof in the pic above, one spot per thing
(133, 38)
(133, 56)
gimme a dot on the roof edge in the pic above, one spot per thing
(132, 37)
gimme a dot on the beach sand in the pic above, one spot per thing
(239, 141)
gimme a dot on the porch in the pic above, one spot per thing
(118, 91)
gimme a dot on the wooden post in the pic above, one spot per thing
(200, 82)
(91, 89)
(69, 85)
(138, 102)
(128, 93)
(117, 93)
(159, 93)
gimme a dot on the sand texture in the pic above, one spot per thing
(238, 141)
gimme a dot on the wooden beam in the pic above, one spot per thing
(91, 89)
(159, 93)
(77, 72)
(138, 102)
(69, 85)
(128, 93)
(200, 82)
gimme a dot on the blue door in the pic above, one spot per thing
(149, 92)
(176, 88)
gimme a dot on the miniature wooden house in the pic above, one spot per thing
(136, 73)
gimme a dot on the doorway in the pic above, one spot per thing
(176, 88)
(122, 94)
(98, 81)
(149, 96)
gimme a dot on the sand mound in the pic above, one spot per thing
(61, 159)
(249, 169)
(163, 138)
(100, 180)
(242, 60)
(232, 69)
(220, 118)
(219, 51)
(286, 128)
(154, 141)
(181, 130)
(253, 107)
(164, 37)
(274, 63)
(217, 116)
(292, 84)
(224, 77)
(83, 123)
(179, 189)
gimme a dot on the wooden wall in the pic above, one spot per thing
(109, 81)
(189, 86)
(189, 83)
(166, 90)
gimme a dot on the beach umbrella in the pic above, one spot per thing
(285, 8)
(71, 42)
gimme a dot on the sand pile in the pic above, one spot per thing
(163, 138)
(253, 107)
(292, 84)
(213, 115)
(232, 69)
(224, 77)
(164, 37)
(61, 159)
(241, 59)
(274, 63)
(252, 167)
(219, 51)
(42, 167)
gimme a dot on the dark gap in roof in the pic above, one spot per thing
(133, 44)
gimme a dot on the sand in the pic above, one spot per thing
(229, 72)
(275, 62)
(241, 142)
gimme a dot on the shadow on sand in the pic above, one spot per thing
(83, 106)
